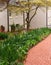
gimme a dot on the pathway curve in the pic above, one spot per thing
(40, 54)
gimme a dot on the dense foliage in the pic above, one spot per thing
(3, 35)
(14, 50)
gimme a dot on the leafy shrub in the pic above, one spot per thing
(14, 50)
(3, 36)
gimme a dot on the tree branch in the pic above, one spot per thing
(34, 13)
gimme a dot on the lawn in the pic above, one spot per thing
(14, 47)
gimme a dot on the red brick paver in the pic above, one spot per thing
(40, 54)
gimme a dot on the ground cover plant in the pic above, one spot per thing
(3, 35)
(14, 49)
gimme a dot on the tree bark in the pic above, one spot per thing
(8, 20)
(28, 26)
(28, 22)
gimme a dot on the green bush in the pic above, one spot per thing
(3, 36)
(14, 50)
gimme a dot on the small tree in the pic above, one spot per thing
(27, 7)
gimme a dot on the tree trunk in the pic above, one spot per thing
(8, 19)
(28, 26)
(28, 22)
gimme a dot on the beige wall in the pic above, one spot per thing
(38, 21)
(16, 20)
(49, 17)
(3, 19)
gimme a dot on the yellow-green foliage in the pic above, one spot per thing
(23, 5)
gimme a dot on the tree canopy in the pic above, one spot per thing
(21, 5)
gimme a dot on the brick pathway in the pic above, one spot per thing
(40, 54)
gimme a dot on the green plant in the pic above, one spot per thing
(8, 52)
(2, 28)
(13, 50)
(19, 27)
(12, 27)
(3, 36)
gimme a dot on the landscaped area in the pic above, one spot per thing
(23, 25)
(14, 48)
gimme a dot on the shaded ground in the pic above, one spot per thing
(40, 54)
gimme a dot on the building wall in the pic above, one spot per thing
(13, 19)
(3, 19)
(16, 20)
(49, 17)
(38, 21)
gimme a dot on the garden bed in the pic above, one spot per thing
(3, 36)
(14, 49)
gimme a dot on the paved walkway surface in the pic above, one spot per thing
(40, 54)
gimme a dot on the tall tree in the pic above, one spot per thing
(25, 6)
